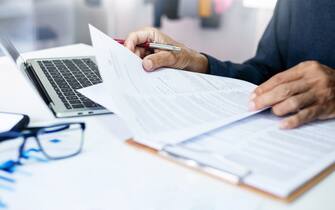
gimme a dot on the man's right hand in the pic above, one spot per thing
(186, 59)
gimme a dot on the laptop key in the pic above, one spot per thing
(69, 94)
(76, 86)
(91, 104)
(68, 106)
(73, 100)
(78, 106)
(63, 100)
(70, 98)
(53, 83)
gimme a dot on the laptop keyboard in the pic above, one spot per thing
(68, 75)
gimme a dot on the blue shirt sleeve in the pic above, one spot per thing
(270, 56)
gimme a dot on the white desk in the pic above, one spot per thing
(112, 175)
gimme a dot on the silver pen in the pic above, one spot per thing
(154, 45)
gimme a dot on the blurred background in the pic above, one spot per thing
(227, 29)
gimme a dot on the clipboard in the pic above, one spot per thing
(231, 178)
(16, 122)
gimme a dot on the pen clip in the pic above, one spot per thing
(211, 163)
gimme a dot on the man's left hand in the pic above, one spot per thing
(307, 91)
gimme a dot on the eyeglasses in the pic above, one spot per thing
(54, 142)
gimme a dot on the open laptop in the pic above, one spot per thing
(57, 80)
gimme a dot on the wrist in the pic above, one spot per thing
(197, 62)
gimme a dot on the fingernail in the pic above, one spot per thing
(253, 96)
(252, 106)
(284, 125)
(147, 64)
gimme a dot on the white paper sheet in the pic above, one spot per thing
(280, 160)
(167, 106)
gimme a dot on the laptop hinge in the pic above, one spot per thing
(37, 83)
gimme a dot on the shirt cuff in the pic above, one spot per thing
(215, 66)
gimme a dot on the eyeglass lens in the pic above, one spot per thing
(61, 141)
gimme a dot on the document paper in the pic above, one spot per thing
(280, 161)
(167, 106)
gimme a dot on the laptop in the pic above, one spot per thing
(57, 79)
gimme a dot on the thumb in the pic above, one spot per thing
(158, 60)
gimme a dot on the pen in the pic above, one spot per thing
(153, 45)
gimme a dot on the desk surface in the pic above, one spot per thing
(109, 174)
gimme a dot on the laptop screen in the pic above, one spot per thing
(9, 49)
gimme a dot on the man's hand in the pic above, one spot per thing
(307, 91)
(185, 59)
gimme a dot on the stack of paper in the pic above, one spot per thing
(173, 111)
(167, 106)
(280, 161)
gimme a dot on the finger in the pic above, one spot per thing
(278, 94)
(286, 76)
(302, 117)
(293, 104)
(137, 52)
(157, 60)
(147, 52)
(136, 38)
(140, 52)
